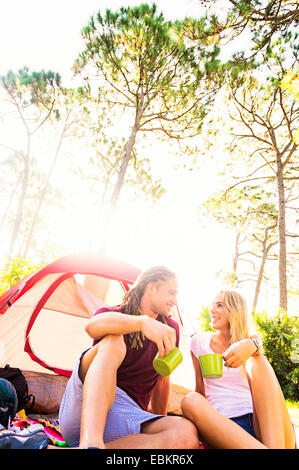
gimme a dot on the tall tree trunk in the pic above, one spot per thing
(42, 197)
(283, 291)
(266, 249)
(12, 194)
(123, 169)
(96, 238)
(19, 216)
(121, 176)
(111, 209)
(236, 253)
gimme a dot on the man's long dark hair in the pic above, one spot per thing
(132, 299)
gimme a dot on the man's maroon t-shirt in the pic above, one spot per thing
(136, 375)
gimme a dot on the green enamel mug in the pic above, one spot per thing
(211, 365)
(165, 365)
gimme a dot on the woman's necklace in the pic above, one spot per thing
(217, 345)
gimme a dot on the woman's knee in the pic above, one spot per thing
(261, 376)
(257, 366)
(192, 404)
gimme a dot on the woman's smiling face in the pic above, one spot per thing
(219, 318)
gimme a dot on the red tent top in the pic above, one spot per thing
(73, 264)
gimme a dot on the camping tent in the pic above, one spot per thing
(42, 317)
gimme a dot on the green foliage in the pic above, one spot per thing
(36, 88)
(228, 278)
(280, 336)
(205, 319)
(265, 20)
(239, 208)
(147, 63)
(290, 82)
(15, 270)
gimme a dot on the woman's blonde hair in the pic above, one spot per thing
(237, 314)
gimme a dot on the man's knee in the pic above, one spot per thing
(114, 346)
(116, 342)
(111, 346)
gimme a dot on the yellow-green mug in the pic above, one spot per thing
(211, 365)
(165, 365)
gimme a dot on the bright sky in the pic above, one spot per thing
(46, 35)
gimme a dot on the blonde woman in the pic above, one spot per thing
(245, 408)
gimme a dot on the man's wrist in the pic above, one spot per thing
(141, 322)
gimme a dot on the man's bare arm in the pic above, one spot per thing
(116, 323)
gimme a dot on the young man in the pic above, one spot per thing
(106, 399)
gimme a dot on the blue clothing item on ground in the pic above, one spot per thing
(246, 422)
(124, 417)
(33, 437)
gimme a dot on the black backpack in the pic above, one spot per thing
(15, 376)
